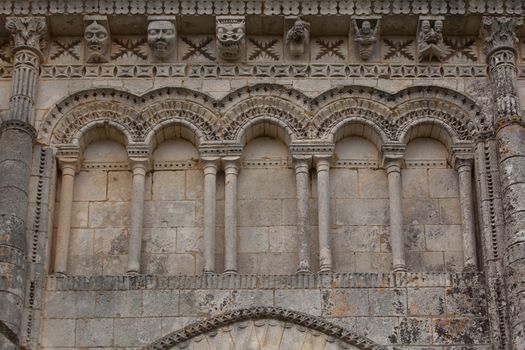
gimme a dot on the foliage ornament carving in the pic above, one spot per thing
(231, 39)
(500, 32)
(366, 35)
(298, 38)
(262, 312)
(98, 41)
(27, 32)
(430, 39)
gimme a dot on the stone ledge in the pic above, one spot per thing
(297, 281)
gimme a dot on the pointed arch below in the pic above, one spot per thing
(315, 324)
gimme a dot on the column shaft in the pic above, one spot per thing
(231, 171)
(137, 218)
(467, 215)
(210, 191)
(323, 203)
(302, 178)
(64, 218)
(396, 216)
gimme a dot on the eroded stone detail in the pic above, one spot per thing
(298, 38)
(162, 36)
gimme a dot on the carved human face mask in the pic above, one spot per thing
(230, 38)
(161, 38)
(97, 39)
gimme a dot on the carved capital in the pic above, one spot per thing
(393, 155)
(27, 32)
(499, 32)
(231, 164)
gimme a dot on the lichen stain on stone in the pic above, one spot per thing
(409, 331)
(119, 244)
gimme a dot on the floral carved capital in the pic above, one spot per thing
(500, 32)
(27, 32)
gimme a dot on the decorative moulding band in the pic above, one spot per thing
(230, 281)
(261, 7)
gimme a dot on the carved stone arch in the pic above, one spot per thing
(335, 115)
(457, 111)
(294, 96)
(258, 108)
(458, 123)
(182, 337)
(74, 112)
(200, 119)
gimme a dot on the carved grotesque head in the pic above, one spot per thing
(297, 37)
(366, 28)
(162, 38)
(230, 37)
(431, 35)
(98, 43)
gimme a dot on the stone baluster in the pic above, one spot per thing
(231, 171)
(16, 148)
(69, 167)
(392, 161)
(210, 167)
(500, 38)
(464, 168)
(139, 167)
(302, 180)
(322, 164)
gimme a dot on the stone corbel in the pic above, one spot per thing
(296, 39)
(430, 45)
(162, 38)
(366, 30)
(231, 38)
(98, 39)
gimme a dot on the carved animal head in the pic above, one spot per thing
(98, 43)
(162, 38)
(230, 38)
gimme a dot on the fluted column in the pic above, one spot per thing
(302, 180)
(392, 164)
(464, 169)
(68, 167)
(139, 168)
(16, 148)
(210, 167)
(500, 47)
(322, 164)
(231, 171)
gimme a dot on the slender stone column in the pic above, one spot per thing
(16, 147)
(464, 168)
(322, 164)
(302, 180)
(500, 46)
(392, 163)
(210, 167)
(68, 167)
(231, 170)
(139, 168)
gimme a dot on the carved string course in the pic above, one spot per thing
(224, 121)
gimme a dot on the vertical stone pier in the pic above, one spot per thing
(500, 41)
(16, 147)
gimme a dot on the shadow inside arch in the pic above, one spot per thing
(310, 322)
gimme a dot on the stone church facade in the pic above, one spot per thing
(249, 174)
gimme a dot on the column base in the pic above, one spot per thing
(132, 273)
(230, 273)
(303, 271)
(400, 268)
(326, 269)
